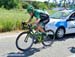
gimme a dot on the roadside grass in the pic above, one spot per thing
(11, 19)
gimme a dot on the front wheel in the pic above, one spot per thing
(24, 41)
(48, 39)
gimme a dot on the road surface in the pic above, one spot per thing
(60, 48)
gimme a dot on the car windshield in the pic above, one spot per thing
(60, 14)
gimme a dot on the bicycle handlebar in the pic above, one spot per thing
(26, 25)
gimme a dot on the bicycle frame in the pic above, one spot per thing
(39, 37)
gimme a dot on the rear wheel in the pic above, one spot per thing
(24, 41)
(48, 39)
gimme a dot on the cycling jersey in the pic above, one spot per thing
(42, 15)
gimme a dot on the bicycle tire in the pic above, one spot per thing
(51, 41)
(17, 45)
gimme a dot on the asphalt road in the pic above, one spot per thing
(60, 48)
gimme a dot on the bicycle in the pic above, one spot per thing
(26, 39)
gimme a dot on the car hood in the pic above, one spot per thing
(56, 20)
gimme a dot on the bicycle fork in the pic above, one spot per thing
(26, 38)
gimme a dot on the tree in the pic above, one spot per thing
(42, 6)
(48, 4)
(25, 4)
(8, 4)
(52, 5)
(55, 2)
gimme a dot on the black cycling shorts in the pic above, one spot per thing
(44, 18)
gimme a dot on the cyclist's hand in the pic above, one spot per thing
(23, 22)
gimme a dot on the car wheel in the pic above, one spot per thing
(60, 33)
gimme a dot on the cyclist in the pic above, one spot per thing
(42, 17)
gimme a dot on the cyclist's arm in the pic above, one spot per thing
(37, 15)
(30, 19)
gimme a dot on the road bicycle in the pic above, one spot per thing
(26, 39)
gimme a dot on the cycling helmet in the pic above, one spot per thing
(30, 9)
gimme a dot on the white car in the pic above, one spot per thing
(61, 22)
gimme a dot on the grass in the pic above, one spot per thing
(11, 19)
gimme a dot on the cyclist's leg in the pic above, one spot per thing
(40, 27)
(42, 24)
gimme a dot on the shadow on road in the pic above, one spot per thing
(72, 49)
(26, 53)
(23, 54)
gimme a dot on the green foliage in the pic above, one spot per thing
(52, 5)
(42, 6)
(39, 5)
(25, 4)
(35, 4)
(7, 25)
(8, 4)
(11, 19)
